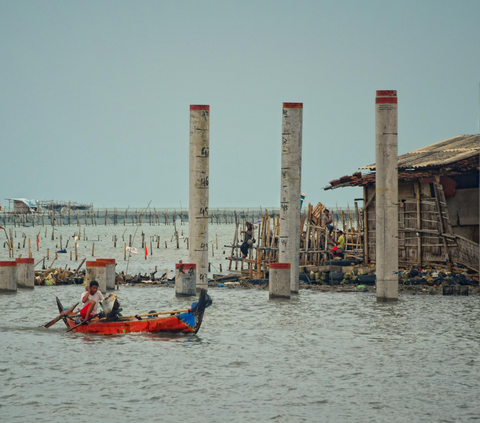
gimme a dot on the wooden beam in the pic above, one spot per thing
(419, 222)
(365, 225)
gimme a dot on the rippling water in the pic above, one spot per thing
(319, 357)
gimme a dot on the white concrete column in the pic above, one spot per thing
(97, 271)
(110, 268)
(386, 195)
(198, 192)
(8, 276)
(279, 280)
(25, 272)
(291, 190)
(185, 279)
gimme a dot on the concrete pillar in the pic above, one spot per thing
(8, 276)
(25, 272)
(110, 268)
(279, 280)
(386, 195)
(290, 190)
(185, 279)
(97, 271)
(198, 192)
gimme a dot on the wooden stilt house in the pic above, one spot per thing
(438, 204)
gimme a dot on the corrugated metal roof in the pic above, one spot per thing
(439, 154)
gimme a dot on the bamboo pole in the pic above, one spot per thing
(78, 268)
(419, 223)
(365, 226)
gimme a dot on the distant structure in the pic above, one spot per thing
(438, 204)
(60, 205)
(22, 205)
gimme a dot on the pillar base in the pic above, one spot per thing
(181, 294)
(386, 300)
(276, 297)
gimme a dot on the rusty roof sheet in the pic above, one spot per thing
(358, 179)
(439, 154)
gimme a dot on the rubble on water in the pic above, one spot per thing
(336, 275)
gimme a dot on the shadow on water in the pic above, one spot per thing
(4, 292)
(129, 338)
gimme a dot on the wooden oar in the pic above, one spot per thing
(60, 316)
(156, 314)
(81, 323)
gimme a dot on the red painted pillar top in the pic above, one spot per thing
(199, 107)
(25, 260)
(293, 105)
(386, 96)
(107, 261)
(186, 266)
(280, 266)
(96, 264)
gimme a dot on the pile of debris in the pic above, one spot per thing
(58, 276)
(431, 276)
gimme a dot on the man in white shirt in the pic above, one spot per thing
(90, 300)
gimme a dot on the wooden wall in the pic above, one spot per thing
(425, 234)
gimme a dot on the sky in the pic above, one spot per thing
(95, 95)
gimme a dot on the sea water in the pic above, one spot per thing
(333, 357)
(319, 357)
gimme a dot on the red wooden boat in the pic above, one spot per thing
(178, 321)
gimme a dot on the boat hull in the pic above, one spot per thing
(181, 323)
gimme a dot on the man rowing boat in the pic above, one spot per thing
(90, 300)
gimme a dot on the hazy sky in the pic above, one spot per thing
(95, 95)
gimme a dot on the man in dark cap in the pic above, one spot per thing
(247, 240)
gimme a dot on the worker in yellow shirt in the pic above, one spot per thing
(340, 247)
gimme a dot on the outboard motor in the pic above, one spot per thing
(111, 307)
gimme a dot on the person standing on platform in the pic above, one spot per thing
(327, 221)
(248, 240)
